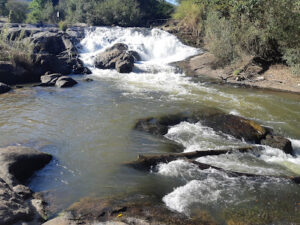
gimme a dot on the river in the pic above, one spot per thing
(89, 131)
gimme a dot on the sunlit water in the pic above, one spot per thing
(88, 130)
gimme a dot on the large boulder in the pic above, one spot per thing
(18, 163)
(4, 88)
(116, 57)
(64, 82)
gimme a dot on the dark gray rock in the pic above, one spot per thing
(19, 163)
(65, 82)
(278, 142)
(50, 80)
(4, 88)
(136, 55)
(116, 57)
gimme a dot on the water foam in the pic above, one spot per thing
(198, 137)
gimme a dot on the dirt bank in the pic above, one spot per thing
(276, 77)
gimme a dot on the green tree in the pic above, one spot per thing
(3, 9)
(17, 11)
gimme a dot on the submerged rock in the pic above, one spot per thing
(116, 57)
(125, 211)
(4, 88)
(236, 126)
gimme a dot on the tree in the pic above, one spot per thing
(17, 11)
(3, 9)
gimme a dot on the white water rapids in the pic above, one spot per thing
(153, 74)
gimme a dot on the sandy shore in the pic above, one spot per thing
(277, 77)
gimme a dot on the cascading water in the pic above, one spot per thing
(89, 131)
(154, 74)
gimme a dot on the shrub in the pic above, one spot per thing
(292, 57)
(63, 25)
(17, 11)
(219, 38)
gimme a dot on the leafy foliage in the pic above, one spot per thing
(232, 28)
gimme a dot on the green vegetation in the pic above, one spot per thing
(99, 12)
(15, 50)
(232, 29)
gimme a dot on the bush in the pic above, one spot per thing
(63, 25)
(292, 57)
(233, 29)
(219, 38)
(17, 11)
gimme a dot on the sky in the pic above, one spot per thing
(172, 1)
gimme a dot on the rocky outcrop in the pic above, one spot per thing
(117, 57)
(233, 125)
(4, 88)
(17, 202)
(47, 49)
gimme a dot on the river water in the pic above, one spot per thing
(88, 130)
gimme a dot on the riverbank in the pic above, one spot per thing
(251, 72)
(276, 77)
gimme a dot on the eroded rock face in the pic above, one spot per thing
(235, 126)
(117, 57)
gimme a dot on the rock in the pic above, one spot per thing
(278, 142)
(50, 80)
(19, 163)
(4, 88)
(124, 66)
(131, 210)
(18, 204)
(260, 78)
(136, 55)
(88, 79)
(52, 50)
(23, 191)
(235, 126)
(116, 57)
(64, 82)
(13, 208)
